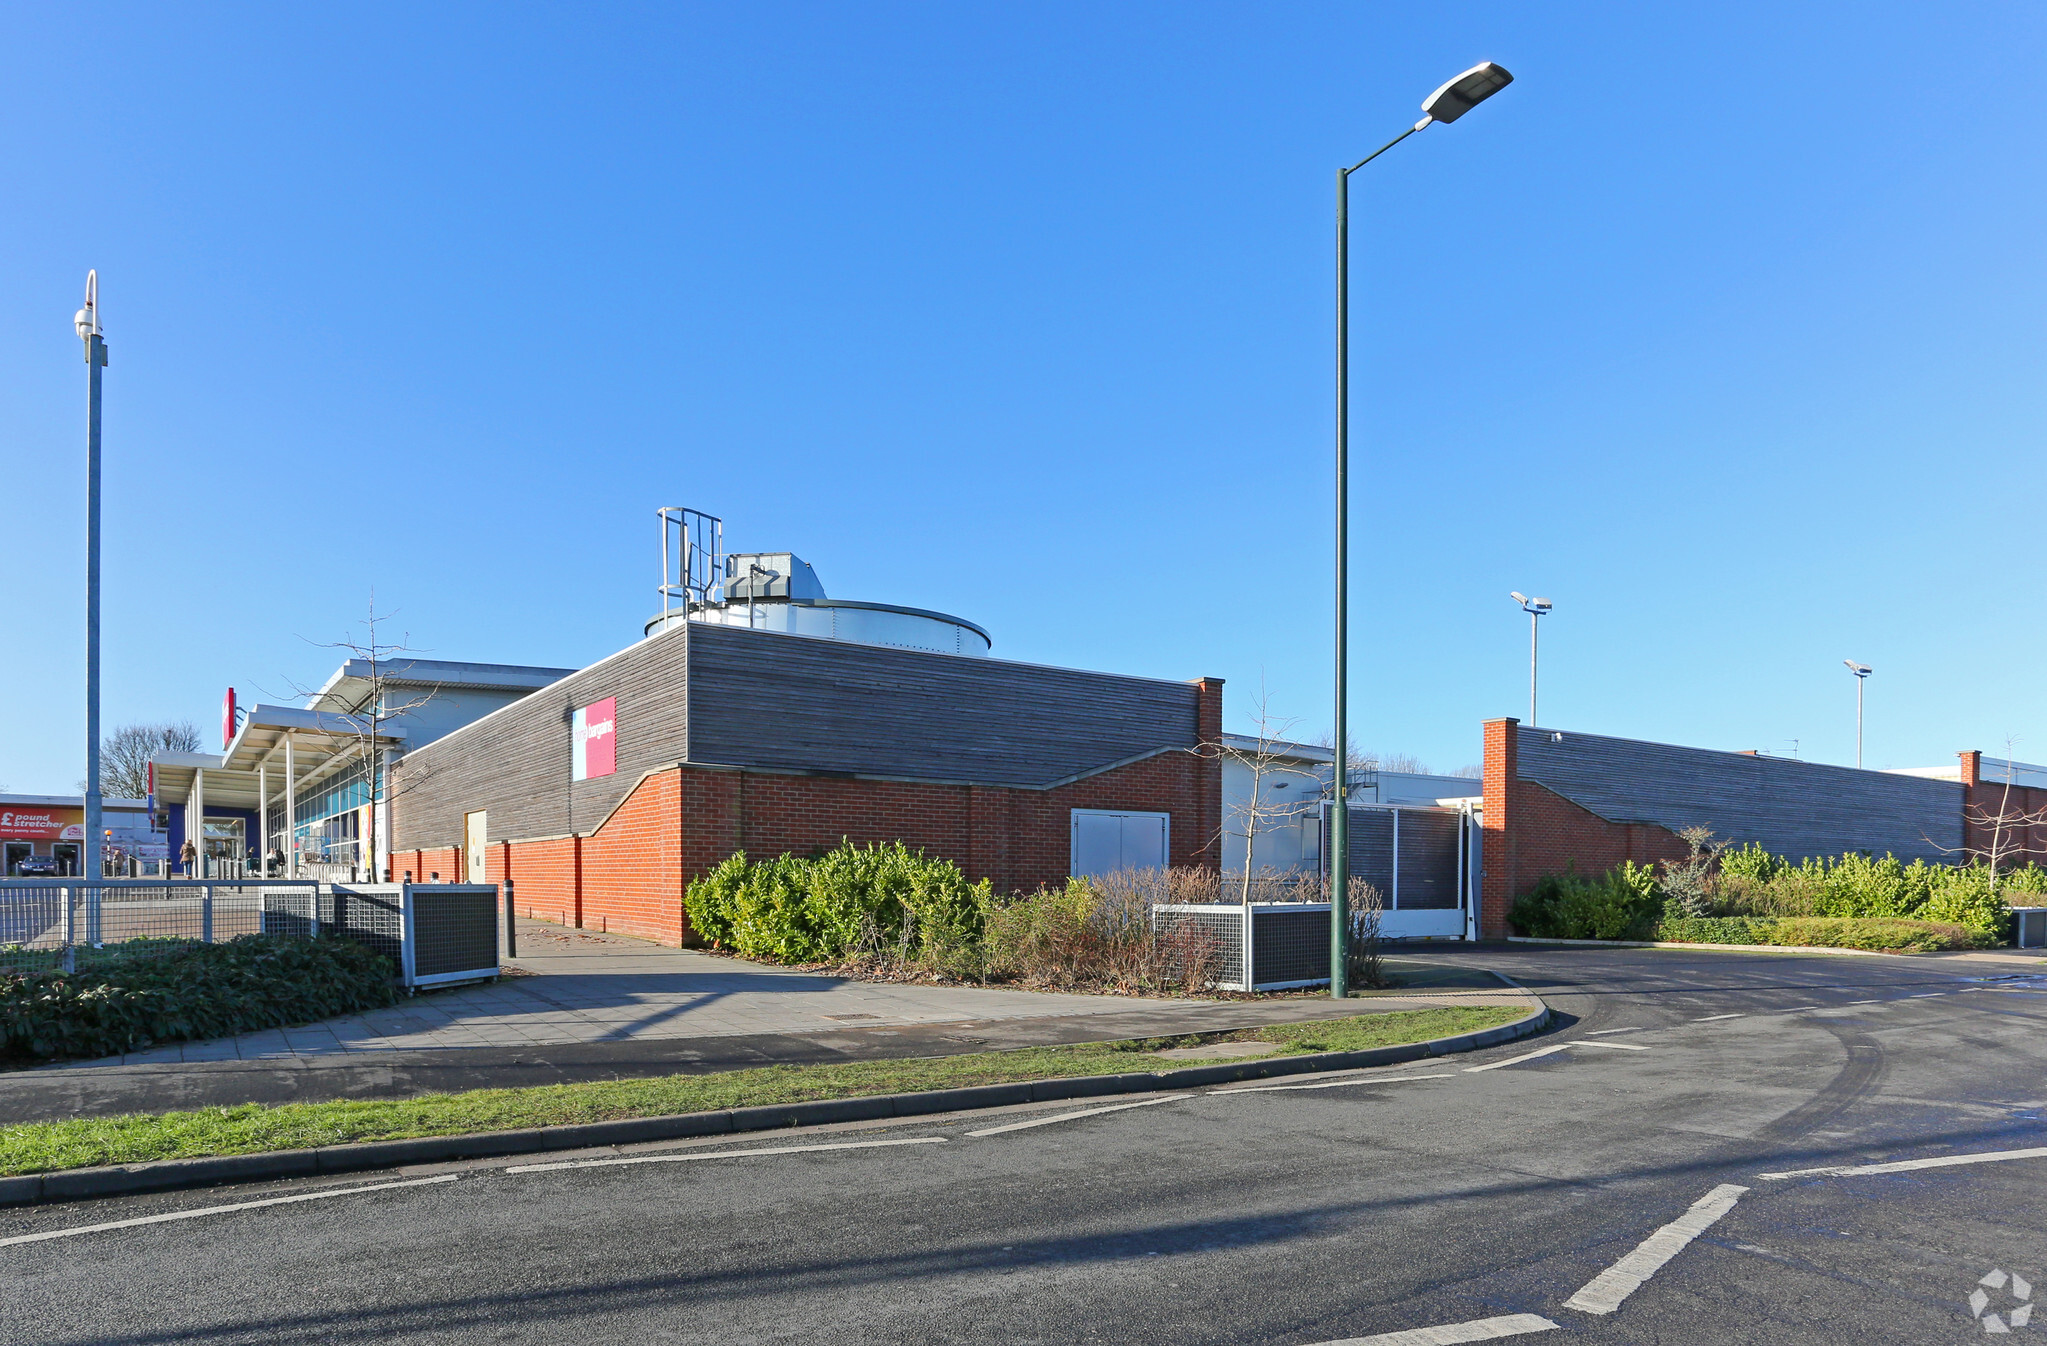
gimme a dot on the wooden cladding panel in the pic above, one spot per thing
(1791, 808)
(515, 763)
(766, 699)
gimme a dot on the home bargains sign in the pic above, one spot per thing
(42, 824)
(593, 740)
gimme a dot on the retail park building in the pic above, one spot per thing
(772, 719)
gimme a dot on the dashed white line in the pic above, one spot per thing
(1075, 1116)
(1711, 1018)
(1617, 1046)
(1907, 1165)
(1450, 1334)
(1852, 1002)
(221, 1210)
(1602, 1032)
(1517, 1060)
(1335, 1084)
(720, 1154)
(1923, 995)
(1604, 1292)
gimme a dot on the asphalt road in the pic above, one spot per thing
(1432, 1195)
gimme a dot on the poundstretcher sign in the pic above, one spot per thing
(594, 740)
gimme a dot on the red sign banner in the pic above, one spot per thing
(593, 745)
(42, 824)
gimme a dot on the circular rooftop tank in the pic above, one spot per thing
(839, 619)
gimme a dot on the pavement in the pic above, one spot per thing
(1767, 1149)
(593, 1006)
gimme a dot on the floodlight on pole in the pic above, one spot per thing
(1446, 104)
(1860, 671)
(1537, 609)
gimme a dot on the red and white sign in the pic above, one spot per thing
(593, 740)
(227, 719)
(42, 824)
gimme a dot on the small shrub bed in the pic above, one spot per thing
(888, 911)
(1879, 933)
(141, 994)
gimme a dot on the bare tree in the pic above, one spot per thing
(368, 722)
(1268, 754)
(1404, 764)
(1472, 772)
(124, 756)
(2009, 829)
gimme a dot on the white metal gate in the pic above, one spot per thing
(1424, 862)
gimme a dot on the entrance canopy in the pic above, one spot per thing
(321, 742)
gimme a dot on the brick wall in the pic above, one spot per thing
(1986, 800)
(1530, 831)
(678, 823)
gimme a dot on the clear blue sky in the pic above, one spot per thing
(1721, 326)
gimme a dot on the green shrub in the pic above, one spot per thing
(1619, 904)
(852, 898)
(1879, 933)
(127, 998)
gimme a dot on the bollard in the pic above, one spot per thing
(511, 927)
(206, 914)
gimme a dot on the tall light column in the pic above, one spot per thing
(87, 324)
(1446, 104)
(1537, 609)
(1860, 671)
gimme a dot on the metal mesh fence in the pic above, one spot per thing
(42, 921)
(1290, 945)
(433, 933)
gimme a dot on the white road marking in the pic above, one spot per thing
(1616, 1046)
(1800, 1009)
(1074, 1116)
(1907, 1165)
(1517, 1060)
(221, 1210)
(1480, 1329)
(1336, 1084)
(1713, 1017)
(1602, 1032)
(719, 1154)
(1604, 1292)
(1852, 1002)
(1923, 995)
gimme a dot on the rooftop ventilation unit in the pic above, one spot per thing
(779, 591)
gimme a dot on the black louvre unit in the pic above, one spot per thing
(435, 934)
(1287, 943)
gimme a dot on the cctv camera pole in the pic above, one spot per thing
(87, 324)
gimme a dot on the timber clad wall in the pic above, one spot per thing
(1556, 800)
(515, 763)
(766, 699)
(791, 744)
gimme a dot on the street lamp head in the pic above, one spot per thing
(1518, 596)
(1466, 92)
(1859, 670)
(87, 319)
(1536, 606)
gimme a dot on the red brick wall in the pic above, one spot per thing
(1986, 799)
(678, 823)
(1530, 831)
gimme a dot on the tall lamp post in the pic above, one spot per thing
(87, 322)
(1537, 609)
(1861, 671)
(1446, 104)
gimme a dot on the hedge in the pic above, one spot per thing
(142, 993)
(1880, 933)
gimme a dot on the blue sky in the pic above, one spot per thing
(1721, 327)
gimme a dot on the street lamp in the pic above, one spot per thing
(1537, 609)
(1446, 104)
(87, 324)
(1860, 671)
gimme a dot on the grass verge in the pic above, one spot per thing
(43, 1147)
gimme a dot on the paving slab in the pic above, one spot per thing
(650, 1011)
